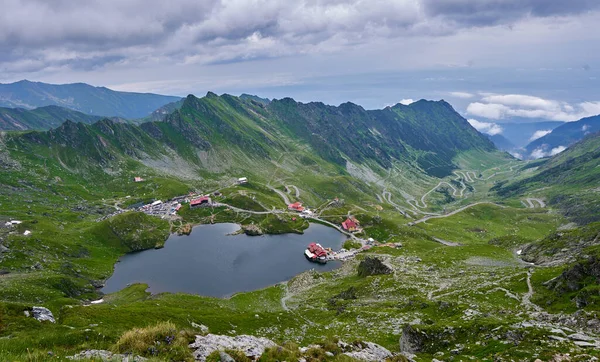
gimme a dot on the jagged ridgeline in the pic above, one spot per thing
(225, 133)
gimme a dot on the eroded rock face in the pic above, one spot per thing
(252, 346)
(411, 340)
(43, 314)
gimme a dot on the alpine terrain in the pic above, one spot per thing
(453, 250)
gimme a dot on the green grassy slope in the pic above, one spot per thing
(466, 298)
(568, 180)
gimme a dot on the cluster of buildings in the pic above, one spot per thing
(304, 211)
(351, 225)
(162, 209)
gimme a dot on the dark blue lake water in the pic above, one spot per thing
(210, 262)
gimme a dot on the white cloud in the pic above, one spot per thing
(539, 134)
(491, 111)
(463, 95)
(557, 150)
(585, 127)
(407, 101)
(501, 106)
(517, 155)
(538, 153)
(543, 151)
(521, 100)
(486, 127)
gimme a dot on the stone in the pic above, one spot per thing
(585, 344)
(103, 355)
(580, 337)
(370, 352)
(43, 314)
(329, 354)
(225, 357)
(4, 249)
(253, 347)
(203, 329)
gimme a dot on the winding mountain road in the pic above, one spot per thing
(529, 202)
(454, 212)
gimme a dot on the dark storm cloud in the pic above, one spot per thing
(62, 33)
(493, 12)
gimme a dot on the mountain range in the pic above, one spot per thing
(562, 137)
(98, 101)
(221, 132)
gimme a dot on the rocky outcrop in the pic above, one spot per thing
(372, 266)
(42, 314)
(103, 355)
(411, 340)
(252, 346)
(252, 230)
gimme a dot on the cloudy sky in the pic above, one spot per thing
(494, 60)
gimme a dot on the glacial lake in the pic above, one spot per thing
(212, 263)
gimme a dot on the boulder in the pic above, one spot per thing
(42, 314)
(372, 266)
(251, 346)
(370, 352)
(224, 357)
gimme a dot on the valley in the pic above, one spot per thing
(462, 232)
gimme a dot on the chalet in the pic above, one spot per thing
(242, 180)
(138, 179)
(296, 206)
(351, 224)
(201, 201)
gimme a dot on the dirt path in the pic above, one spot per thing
(526, 301)
(446, 242)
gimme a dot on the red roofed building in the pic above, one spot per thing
(204, 200)
(351, 224)
(296, 206)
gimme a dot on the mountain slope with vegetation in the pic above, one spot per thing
(563, 136)
(568, 180)
(42, 118)
(98, 101)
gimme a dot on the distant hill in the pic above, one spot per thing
(14, 119)
(99, 101)
(501, 142)
(562, 137)
(520, 133)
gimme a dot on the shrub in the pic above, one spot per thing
(161, 340)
